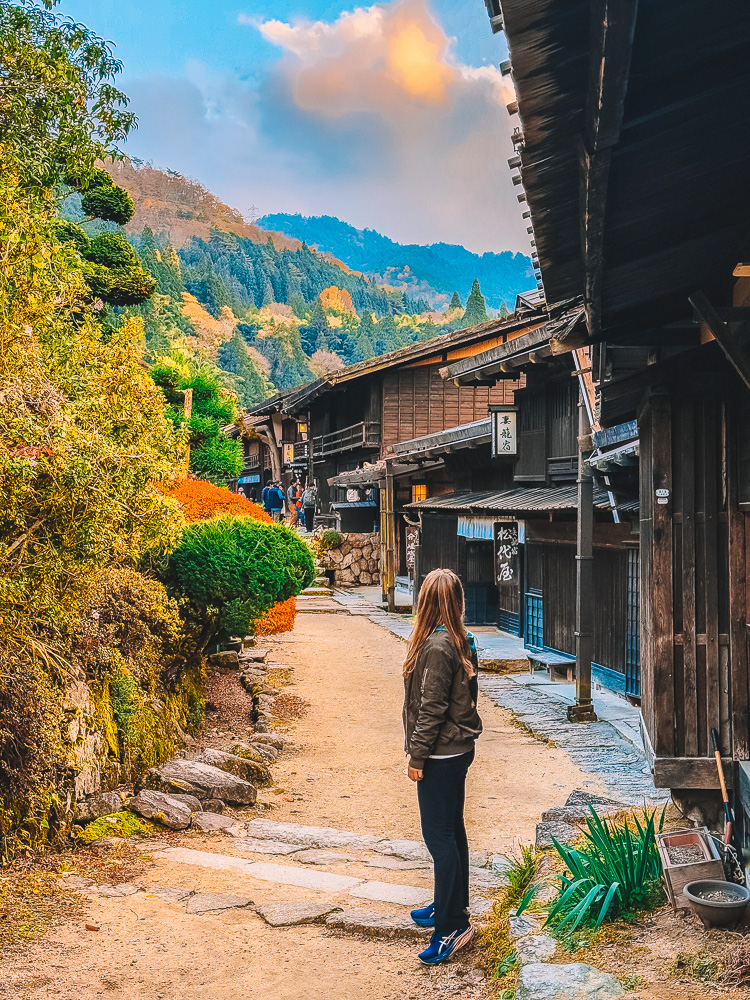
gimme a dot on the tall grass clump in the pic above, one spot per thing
(615, 874)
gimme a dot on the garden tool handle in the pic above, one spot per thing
(720, 766)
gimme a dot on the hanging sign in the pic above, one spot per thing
(504, 437)
(506, 552)
(288, 453)
(412, 541)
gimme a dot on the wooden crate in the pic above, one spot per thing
(676, 877)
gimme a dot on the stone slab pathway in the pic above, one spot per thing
(597, 748)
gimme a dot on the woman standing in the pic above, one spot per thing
(441, 725)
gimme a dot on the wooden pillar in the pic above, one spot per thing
(388, 539)
(310, 450)
(739, 538)
(583, 710)
(661, 646)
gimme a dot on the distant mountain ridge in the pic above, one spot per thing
(432, 272)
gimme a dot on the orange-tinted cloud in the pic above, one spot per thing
(384, 58)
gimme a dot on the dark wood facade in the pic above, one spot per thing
(645, 223)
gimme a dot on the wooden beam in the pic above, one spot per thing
(690, 772)
(725, 335)
(613, 28)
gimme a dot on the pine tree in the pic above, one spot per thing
(234, 357)
(476, 308)
(455, 302)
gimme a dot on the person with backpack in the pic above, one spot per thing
(264, 497)
(309, 500)
(275, 501)
(441, 726)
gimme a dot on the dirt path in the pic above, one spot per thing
(344, 770)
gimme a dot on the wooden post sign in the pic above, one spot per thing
(506, 553)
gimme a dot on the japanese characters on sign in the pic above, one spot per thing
(504, 440)
(506, 552)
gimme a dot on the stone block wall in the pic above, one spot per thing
(356, 561)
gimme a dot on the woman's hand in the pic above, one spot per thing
(414, 773)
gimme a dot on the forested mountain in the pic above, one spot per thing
(257, 310)
(431, 272)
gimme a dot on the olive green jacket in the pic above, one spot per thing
(440, 702)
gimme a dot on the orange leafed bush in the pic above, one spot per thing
(279, 618)
(201, 500)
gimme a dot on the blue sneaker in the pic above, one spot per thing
(424, 917)
(441, 947)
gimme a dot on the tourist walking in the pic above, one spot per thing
(309, 501)
(293, 495)
(275, 501)
(441, 725)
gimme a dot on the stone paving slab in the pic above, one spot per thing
(397, 864)
(206, 859)
(311, 856)
(208, 902)
(284, 914)
(302, 877)
(377, 925)
(114, 891)
(265, 846)
(596, 748)
(311, 836)
(387, 892)
(169, 893)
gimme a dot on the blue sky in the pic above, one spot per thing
(389, 115)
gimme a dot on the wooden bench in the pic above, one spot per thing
(554, 663)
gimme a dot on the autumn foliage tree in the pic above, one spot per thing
(83, 434)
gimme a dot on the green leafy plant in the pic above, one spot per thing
(523, 874)
(331, 539)
(615, 874)
(231, 570)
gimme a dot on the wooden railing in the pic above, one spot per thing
(362, 435)
(252, 462)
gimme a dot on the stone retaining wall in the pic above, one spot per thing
(356, 561)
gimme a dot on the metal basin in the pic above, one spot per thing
(717, 912)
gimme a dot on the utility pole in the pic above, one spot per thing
(583, 710)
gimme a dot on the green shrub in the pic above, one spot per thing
(111, 250)
(616, 874)
(231, 570)
(331, 539)
(109, 202)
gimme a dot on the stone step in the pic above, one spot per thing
(317, 591)
(323, 581)
(377, 925)
(256, 655)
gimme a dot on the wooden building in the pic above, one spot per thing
(354, 419)
(530, 502)
(634, 149)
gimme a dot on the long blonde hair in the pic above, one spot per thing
(441, 604)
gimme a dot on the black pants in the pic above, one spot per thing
(441, 794)
(309, 513)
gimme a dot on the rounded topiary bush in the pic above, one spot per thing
(233, 569)
(110, 202)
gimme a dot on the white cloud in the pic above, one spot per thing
(369, 117)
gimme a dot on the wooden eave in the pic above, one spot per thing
(636, 150)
